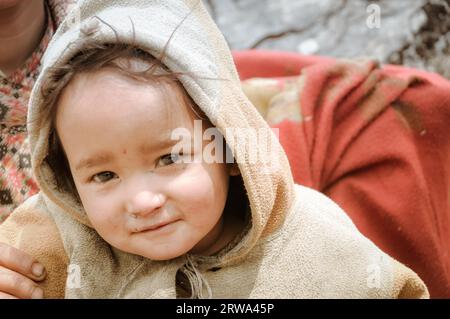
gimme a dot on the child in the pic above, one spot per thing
(143, 214)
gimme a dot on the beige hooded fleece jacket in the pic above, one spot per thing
(298, 243)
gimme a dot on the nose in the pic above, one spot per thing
(144, 203)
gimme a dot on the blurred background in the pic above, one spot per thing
(415, 33)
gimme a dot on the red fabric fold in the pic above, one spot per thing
(377, 141)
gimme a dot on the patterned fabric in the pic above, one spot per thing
(16, 181)
(375, 140)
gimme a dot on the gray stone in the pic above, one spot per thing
(339, 28)
(409, 32)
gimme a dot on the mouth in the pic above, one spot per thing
(155, 227)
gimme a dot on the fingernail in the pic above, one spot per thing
(38, 293)
(37, 269)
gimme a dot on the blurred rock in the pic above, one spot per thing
(430, 48)
(410, 32)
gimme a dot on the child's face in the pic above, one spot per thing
(116, 133)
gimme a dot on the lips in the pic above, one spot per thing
(156, 226)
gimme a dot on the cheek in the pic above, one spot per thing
(102, 211)
(204, 192)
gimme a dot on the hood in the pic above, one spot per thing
(196, 47)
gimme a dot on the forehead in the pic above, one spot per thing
(109, 95)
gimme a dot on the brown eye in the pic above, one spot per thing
(103, 177)
(169, 159)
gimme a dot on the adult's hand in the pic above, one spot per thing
(19, 274)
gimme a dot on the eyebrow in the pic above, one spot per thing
(95, 160)
(163, 144)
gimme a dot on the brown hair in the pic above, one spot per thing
(128, 60)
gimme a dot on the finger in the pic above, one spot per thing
(18, 285)
(18, 261)
(6, 296)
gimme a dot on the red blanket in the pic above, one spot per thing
(375, 140)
